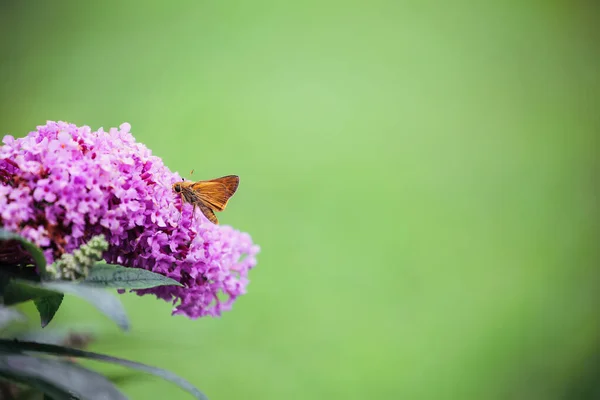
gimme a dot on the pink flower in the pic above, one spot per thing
(62, 184)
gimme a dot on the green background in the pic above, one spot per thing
(422, 178)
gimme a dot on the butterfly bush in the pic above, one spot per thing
(62, 185)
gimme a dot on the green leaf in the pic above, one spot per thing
(119, 277)
(46, 301)
(46, 296)
(105, 302)
(123, 378)
(14, 345)
(19, 291)
(48, 306)
(36, 252)
(56, 378)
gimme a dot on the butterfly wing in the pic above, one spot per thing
(208, 213)
(216, 193)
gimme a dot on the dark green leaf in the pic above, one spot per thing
(56, 378)
(123, 377)
(46, 301)
(8, 316)
(26, 393)
(21, 291)
(36, 252)
(107, 303)
(47, 306)
(8, 272)
(70, 352)
(119, 277)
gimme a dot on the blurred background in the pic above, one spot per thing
(422, 178)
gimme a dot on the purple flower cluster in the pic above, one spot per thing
(63, 184)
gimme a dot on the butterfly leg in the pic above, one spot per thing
(181, 209)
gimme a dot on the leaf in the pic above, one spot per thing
(119, 277)
(105, 302)
(56, 378)
(123, 378)
(36, 252)
(8, 316)
(48, 306)
(46, 301)
(46, 296)
(14, 345)
(19, 291)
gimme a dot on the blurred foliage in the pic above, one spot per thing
(421, 177)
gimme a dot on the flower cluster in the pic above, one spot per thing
(61, 185)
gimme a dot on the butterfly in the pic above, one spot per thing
(208, 196)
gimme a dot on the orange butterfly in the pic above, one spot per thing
(208, 196)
